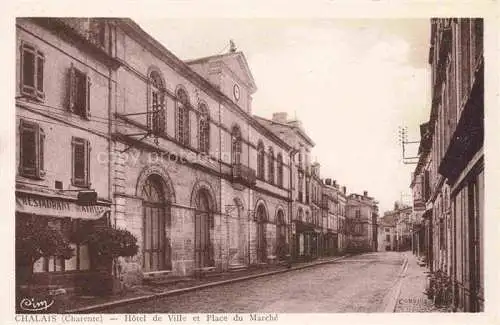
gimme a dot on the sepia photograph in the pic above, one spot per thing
(260, 166)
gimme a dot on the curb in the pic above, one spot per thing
(393, 295)
(127, 301)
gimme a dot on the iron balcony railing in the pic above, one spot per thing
(244, 175)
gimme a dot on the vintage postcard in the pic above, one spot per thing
(248, 168)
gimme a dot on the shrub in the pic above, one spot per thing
(109, 243)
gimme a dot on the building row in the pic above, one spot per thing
(448, 181)
(395, 228)
(173, 153)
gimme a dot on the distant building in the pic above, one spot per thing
(334, 199)
(362, 215)
(400, 220)
(387, 233)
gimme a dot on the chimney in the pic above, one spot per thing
(280, 117)
(365, 193)
(343, 189)
(328, 181)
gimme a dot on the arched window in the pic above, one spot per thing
(182, 117)
(300, 215)
(156, 110)
(279, 163)
(204, 129)
(270, 166)
(236, 145)
(260, 160)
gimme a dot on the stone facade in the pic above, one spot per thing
(171, 149)
(362, 215)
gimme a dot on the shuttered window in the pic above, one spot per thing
(32, 140)
(204, 129)
(32, 71)
(81, 162)
(280, 169)
(260, 160)
(182, 120)
(156, 109)
(79, 92)
(270, 166)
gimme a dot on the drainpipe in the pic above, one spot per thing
(220, 178)
(249, 197)
(293, 152)
(110, 127)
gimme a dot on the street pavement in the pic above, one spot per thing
(355, 284)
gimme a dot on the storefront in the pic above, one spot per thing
(331, 243)
(307, 240)
(73, 220)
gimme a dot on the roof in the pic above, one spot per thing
(387, 220)
(297, 129)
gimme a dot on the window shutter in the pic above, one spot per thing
(149, 105)
(179, 122)
(201, 135)
(41, 153)
(211, 219)
(40, 62)
(163, 114)
(28, 69)
(72, 88)
(207, 135)
(87, 99)
(79, 150)
(28, 154)
(162, 119)
(186, 126)
(87, 163)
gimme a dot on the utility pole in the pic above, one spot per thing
(403, 140)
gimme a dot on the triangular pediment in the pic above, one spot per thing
(236, 63)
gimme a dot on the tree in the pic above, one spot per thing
(36, 239)
(105, 246)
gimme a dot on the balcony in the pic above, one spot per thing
(244, 175)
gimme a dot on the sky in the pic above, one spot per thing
(352, 83)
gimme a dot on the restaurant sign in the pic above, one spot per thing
(58, 207)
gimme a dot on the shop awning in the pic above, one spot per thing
(57, 207)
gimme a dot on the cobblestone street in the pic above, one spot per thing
(355, 284)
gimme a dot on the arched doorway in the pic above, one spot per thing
(282, 246)
(203, 224)
(237, 235)
(156, 214)
(261, 216)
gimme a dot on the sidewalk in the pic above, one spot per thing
(81, 304)
(412, 298)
